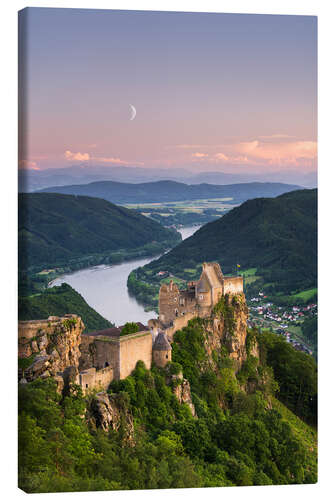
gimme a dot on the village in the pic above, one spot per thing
(282, 320)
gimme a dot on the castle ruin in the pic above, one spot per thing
(97, 358)
(176, 307)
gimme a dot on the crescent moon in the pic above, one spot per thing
(133, 110)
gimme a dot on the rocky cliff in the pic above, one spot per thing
(47, 347)
(227, 328)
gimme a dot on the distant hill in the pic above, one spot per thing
(58, 301)
(277, 236)
(164, 191)
(33, 180)
(55, 229)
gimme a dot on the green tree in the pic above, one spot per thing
(129, 328)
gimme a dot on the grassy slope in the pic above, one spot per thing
(54, 228)
(58, 301)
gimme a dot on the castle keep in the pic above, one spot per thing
(177, 307)
(94, 359)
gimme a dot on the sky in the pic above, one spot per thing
(215, 92)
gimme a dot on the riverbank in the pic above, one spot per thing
(36, 279)
(104, 287)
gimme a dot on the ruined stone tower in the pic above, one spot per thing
(199, 297)
(168, 302)
(161, 350)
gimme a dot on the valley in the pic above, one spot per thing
(209, 381)
(177, 214)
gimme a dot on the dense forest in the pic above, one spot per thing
(164, 191)
(277, 236)
(57, 301)
(55, 230)
(310, 332)
(242, 435)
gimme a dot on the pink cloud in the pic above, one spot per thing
(276, 136)
(199, 155)
(281, 153)
(76, 156)
(116, 161)
(221, 156)
(83, 157)
(28, 165)
(189, 146)
(110, 160)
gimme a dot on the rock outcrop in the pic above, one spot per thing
(182, 391)
(109, 411)
(51, 345)
(227, 327)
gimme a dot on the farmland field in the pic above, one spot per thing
(185, 213)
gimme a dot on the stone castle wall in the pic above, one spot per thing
(133, 348)
(121, 353)
(106, 353)
(233, 285)
(179, 323)
(95, 379)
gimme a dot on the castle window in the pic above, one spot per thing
(200, 297)
(106, 364)
(175, 299)
(86, 385)
(166, 356)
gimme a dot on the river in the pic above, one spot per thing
(105, 288)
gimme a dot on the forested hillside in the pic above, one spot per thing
(58, 301)
(277, 237)
(238, 437)
(55, 230)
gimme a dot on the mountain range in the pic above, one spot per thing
(33, 180)
(167, 191)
